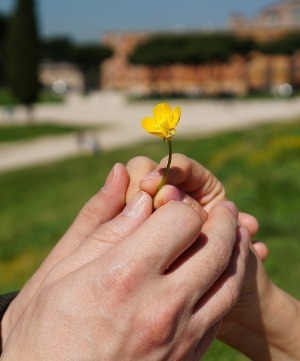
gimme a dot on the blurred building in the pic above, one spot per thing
(256, 72)
(117, 73)
(271, 23)
(61, 77)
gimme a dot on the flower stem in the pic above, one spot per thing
(165, 176)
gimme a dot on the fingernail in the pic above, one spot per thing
(231, 206)
(135, 204)
(110, 178)
(151, 176)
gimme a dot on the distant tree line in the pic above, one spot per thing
(3, 28)
(286, 45)
(22, 50)
(21, 55)
(87, 56)
(205, 48)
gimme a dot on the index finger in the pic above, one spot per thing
(137, 168)
(191, 177)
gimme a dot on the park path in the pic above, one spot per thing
(121, 121)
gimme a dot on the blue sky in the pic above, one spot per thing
(88, 20)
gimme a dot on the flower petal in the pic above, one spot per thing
(163, 112)
(148, 124)
(151, 127)
(163, 122)
(159, 134)
(176, 116)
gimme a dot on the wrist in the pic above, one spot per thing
(282, 325)
(271, 331)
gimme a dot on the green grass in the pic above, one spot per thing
(10, 133)
(260, 168)
(7, 99)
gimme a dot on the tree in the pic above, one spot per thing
(288, 45)
(3, 29)
(189, 49)
(57, 49)
(86, 56)
(22, 53)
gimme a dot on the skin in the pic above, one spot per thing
(264, 315)
(107, 291)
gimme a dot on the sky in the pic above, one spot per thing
(89, 20)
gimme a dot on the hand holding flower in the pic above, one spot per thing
(163, 124)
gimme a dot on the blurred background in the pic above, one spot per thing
(77, 77)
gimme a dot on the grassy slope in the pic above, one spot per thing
(260, 168)
(18, 132)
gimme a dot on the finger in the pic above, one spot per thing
(261, 250)
(170, 193)
(223, 295)
(100, 208)
(106, 236)
(208, 257)
(191, 177)
(103, 206)
(163, 237)
(138, 168)
(206, 340)
(250, 222)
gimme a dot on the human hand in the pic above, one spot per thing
(118, 296)
(196, 185)
(102, 207)
(189, 176)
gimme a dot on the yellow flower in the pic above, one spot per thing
(163, 122)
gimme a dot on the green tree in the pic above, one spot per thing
(288, 45)
(189, 49)
(86, 56)
(3, 28)
(22, 53)
(57, 49)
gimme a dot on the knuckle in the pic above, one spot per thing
(180, 157)
(132, 163)
(119, 281)
(220, 190)
(161, 324)
(107, 234)
(88, 211)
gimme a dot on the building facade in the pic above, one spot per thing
(271, 23)
(238, 76)
(61, 77)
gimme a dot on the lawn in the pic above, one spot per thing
(9, 100)
(259, 167)
(16, 132)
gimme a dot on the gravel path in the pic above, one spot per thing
(123, 120)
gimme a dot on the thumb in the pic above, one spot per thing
(106, 236)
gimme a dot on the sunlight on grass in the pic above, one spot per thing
(259, 167)
(16, 132)
(241, 148)
(276, 147)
